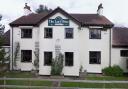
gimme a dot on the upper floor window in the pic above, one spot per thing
(95, 33)
(68, 33)
(68, 58)
(47, 58)
(94, 57)
(26, 33)
(124, 53)
(48, 32)
(26, 55)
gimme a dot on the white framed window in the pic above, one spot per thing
(48, 32)
(69, 57)
(26, 55)
(94, 57)
(26, 33)
(69, 33)
(47, 58)
(95, 33)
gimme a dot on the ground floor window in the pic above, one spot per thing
(94, 57)
(69, 58)
(124, 53)
(26, 55)
(47, 58)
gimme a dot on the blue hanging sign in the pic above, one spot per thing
(58, 21)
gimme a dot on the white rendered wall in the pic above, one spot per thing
(118, 60)
(80, 45)
(25, 44)
(87, 45)
(67, 45)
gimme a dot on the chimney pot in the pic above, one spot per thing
(27, 9)
(100, 9)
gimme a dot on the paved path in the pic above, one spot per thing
(66, 80)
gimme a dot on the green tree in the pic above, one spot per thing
(43, 8)
(57, 65)
(2, 50)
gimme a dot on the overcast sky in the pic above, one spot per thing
(115, 10)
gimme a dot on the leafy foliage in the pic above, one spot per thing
(2, 56)
(43, 8)
(2, 27)
(57, 65)
(1, 41)
(16, 53)
(2, 50)
(36, 61)
(113, 71)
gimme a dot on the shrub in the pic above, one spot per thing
(57, 65)
(113, 71)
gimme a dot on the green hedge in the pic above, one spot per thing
(113, 71)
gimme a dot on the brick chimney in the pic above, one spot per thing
(27, 9)
(100, 9)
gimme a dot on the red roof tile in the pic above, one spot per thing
(83, 19)
(120, 37)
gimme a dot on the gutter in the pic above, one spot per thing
(110, 48)
(12, 49)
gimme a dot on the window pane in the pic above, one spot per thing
(95, 57)
(26, 33)
(124, 53)
(95, 34)
(68, 58)
(47, 58)
(68, 32)
(48, 33)
(26, 55)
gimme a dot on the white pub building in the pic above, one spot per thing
(84, 40)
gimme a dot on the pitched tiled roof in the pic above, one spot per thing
(92, 19)
(83, 19)
(7, 38)
(120, 37)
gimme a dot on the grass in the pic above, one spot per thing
(108, 78)
(94, 85)
(17, 74)
(29, 83)
(1, 82)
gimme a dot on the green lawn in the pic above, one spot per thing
(109, 78)
(17, 74)
(94, 85)
(28, 83)
(1, 82)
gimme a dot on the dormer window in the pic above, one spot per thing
(26, 33)
(95, 33)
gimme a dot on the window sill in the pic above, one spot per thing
(95, 38)
(26, 62)
(26, 38)
(68, 38)
(95, 63)
(68, 66)
(48, 38)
